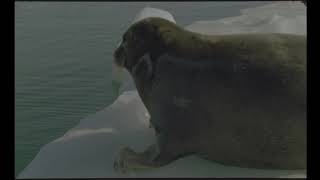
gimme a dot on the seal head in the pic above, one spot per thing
(136, 41)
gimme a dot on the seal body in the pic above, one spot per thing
(234, 99)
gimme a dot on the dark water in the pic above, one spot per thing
(63, 55)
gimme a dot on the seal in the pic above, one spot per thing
(238, 100)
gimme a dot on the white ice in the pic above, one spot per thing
(88, 149)
(281, 17)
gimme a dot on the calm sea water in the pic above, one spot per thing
(63, 55)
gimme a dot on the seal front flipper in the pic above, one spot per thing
(162, 153)
(128, 160)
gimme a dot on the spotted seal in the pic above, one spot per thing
(237, 99)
